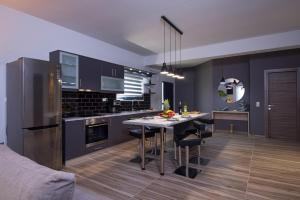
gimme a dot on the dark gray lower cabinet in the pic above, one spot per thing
(117, 131)
(74, 135)
(74, 139)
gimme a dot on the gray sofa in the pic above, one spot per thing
(23, 179)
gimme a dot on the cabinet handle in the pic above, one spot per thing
(115, 72)
(79, 83)
(112, 72)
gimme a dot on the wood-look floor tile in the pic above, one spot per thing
(240, 167)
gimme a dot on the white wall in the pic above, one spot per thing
(272, 42)
(2, 103)
(23, 35)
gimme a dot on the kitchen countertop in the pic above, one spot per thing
(124, 113)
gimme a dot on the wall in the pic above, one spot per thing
(249, 70)
(23, 35)
(259, 63)
(185, 89)
(203, 89)
(2, 103)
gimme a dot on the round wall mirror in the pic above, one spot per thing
(232, 90)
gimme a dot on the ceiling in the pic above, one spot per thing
(135, 25)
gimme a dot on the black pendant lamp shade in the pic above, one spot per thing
(164, 69)
(222, 80)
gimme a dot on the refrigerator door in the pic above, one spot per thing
(44, 146)
(41, 93)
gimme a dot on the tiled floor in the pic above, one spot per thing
(240, 167)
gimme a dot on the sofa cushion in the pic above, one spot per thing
(23, 179)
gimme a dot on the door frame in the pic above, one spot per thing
(266, 99)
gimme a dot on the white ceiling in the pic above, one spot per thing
(135, 24)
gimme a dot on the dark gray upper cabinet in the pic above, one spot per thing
(84, 73)
(89, 74)
(69, 68)
(112, 70)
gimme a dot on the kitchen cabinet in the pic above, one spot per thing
(112, 70)
(89, 74)
(117, 131)
(73, 139)
(69, 68)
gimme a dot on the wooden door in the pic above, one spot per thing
(282, 104)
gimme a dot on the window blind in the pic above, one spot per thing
(133, 86)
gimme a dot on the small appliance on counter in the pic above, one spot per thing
(114, 106)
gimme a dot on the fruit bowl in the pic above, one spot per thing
(167, 114)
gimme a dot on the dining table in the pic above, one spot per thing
(162, 123)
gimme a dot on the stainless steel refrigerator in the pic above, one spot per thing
(33, 90)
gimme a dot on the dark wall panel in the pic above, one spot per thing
(205, 78)
(184, 89)
(259, 63)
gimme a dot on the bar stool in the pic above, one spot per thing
(202, 132)
(187, 142)
(155, 130)
(137, 133)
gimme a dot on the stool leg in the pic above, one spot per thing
(187, 161)
(179, 156)
(199, 152)
(175, 151)
(155, 138)
(139, 148)
(165, 138)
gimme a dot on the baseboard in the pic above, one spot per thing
(234, 132)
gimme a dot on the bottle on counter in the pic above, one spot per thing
(180, 108)
(185, 108)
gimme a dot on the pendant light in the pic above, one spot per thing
(170, 71)
(180, 75)
(175, 74)
(222, 79)
(164, 69)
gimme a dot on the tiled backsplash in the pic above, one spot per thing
(89, 103)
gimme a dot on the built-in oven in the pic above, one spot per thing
(96, 131)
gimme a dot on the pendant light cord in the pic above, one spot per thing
(175, 52)
(170, 48)
(164, 42)
(180, 51)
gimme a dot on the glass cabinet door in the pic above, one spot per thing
(112, 84)
(69, 70)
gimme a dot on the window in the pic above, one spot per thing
(133, 86)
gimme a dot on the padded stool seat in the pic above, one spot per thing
(206, 134)
(137, 133)
(206, 121)
(199, 125)
(154, 129)
(190, 140)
